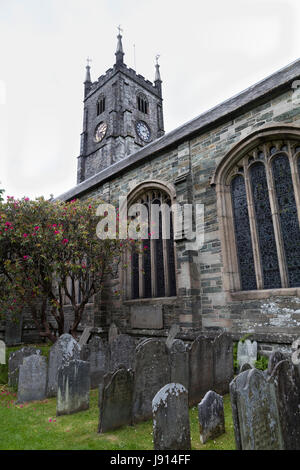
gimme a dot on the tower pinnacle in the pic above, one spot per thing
(88, 80)
(157, 79)
(119, 52)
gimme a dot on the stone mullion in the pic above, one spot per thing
(295, 178)
(152, 251)
(253, 228)
(165, 251)
(277, 228)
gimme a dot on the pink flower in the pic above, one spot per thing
(36, 227)
(65, 241)
(25, 235)
(56, 232)
(26, 199)
(25, 257)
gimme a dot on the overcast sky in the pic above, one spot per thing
(210, 50)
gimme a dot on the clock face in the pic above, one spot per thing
(143, 131)
(100, 132)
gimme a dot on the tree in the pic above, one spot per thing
(46, 248)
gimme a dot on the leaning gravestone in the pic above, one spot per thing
(32, 379)
(274, 359)
(73, 387)
(171, 425)
(211, 416)
(179, 363)
(116, 402)
(201, 369)
(286, 381)
(256, 418)
(122, 352)
(174, 330)
(152, 371)
(13, 330)
(96, 352)
(85, 335)
(65, 349)
(223, 363)
(112, 332)
(15, 360)
(247, 352)
(2, 352)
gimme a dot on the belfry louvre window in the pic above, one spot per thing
(100, 105)
(152, 265)
(142, 104)
(265, 194)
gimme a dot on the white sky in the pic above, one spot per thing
(210, 50)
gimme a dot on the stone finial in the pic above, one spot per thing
(88, 80)
(157, 79)
(119, 52)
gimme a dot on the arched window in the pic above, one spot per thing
(142, 103)
(151, 267)
(100, 105)
(259, 192)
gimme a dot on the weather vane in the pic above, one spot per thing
(120, 29)
(156, 58)
(88, 61)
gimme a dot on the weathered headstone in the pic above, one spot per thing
(65, 349)
(274, 359)
(201, 368)
(211, 416)
(286, 381)
(112, 332)
(223, 363)
(85, 335)
(96, 352)
(122, 351)
(247, 352)
(171, 425)
(174, 330)
(256, 418)
(2, 352)
(73, 388)
(245, 366)
(32, 379)
(179, 363)
(13, 330)
(15, 360)
(152, 371)
(103, 383)
(116, 402)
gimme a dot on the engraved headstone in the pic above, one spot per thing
(32, 379)
(13, 330)
(152, 371)
(223, 363)
(171, 425)
(179, 363)
(85, 335)
(201, 369)
(15, 360)
(73, 387)
(174, 330)
(274, 359)
(286, 380)
(2, 352)
(65, 349)
(247, 352)
(116, 402)
(96, 352)
(257, 423)
(122, 351)
(112, 332)
(211, 416)
(235, 385)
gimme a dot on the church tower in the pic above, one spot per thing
(122, 113)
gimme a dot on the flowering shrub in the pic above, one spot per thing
(45, 249)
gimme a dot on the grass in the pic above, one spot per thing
(34, 426)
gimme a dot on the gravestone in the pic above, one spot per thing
(274, 359)
(73, 387)
(85, 335)
(16, 360)
(211, 416)
(223, 363)
(245, 366)
(64, 350)
(179, 363)
(171, 424)
(247, 352)
(256, 418)
(286, 381)
(152, 371)
(116, 401)
(32, 379)
(174, 330)
(96, 352)
(122, 351)
(2, 352)
(112, 332)
(201, 368)
(13, 330)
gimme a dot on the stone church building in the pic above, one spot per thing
(241, 160)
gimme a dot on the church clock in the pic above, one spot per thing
(100, 132)
(143, 131)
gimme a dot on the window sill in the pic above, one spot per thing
(151, 300)
(263, 294)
